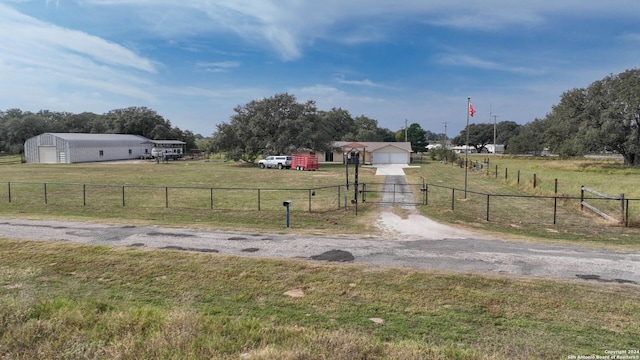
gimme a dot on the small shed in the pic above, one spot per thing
(67, 148)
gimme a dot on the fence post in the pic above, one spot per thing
(626, 217)
(45, 193)
(309, 200)
(122, 195)
(453, 198)
(9, 190)
(426, 194)
(582, 197)
(259, 200)
(84, 194)
(339, 203)
(506, 173)
(488, 196)
(496, 171)
(555, 202)
(518, 182)
(622, 206)
(166, 196)
(535, 181)
(211, 198)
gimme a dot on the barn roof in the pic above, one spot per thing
(84, 139)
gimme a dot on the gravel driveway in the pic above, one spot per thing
(413, 241)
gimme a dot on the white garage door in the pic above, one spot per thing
(381, 158)
(389, 158)
(47, 154)
(398, 158)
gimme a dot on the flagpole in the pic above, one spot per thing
(466, 150)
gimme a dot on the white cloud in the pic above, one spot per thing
(24, 36)
(221, 66)
(476, 62)
(287, 26)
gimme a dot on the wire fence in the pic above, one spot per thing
(477, 206)
(535, 209)
(219, 198)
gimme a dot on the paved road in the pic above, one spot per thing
(456, 251)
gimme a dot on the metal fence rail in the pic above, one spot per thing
(220, 198)
(477, 205)
(520, 208)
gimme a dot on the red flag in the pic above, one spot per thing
(471, 110)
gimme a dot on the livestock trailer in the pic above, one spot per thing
(304, 162)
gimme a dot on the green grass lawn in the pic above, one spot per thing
(79, 301)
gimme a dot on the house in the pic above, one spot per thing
(373, 153)
(67, 148)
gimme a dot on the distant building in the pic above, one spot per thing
(499, 149)
(67, 148)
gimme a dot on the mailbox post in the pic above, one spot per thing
(287, 204)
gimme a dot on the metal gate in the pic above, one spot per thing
(394, 190)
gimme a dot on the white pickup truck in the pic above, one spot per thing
(281, 162)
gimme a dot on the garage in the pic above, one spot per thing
(374, 152)
(390, 155)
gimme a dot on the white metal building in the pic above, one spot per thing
(67, 148)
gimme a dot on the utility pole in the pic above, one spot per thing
(444, 141)
(405, 130)
(494, 134)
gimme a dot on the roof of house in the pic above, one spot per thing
(372, 146)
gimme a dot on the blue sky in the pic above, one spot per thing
(193, 61)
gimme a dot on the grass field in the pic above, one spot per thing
(88, 302)
(71, 301)
(233, 203)
(220, 195)
(521, 214)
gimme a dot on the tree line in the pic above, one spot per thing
(16, 126)
(281, 125)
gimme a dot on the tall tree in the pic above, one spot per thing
(339, 123)
(277, 125)
(529, 140)
(415, 135)
(603, 116)
(479, 136)
(563, 124)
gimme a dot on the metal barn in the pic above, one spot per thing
(67, 148)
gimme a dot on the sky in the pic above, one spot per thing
(396, 61)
